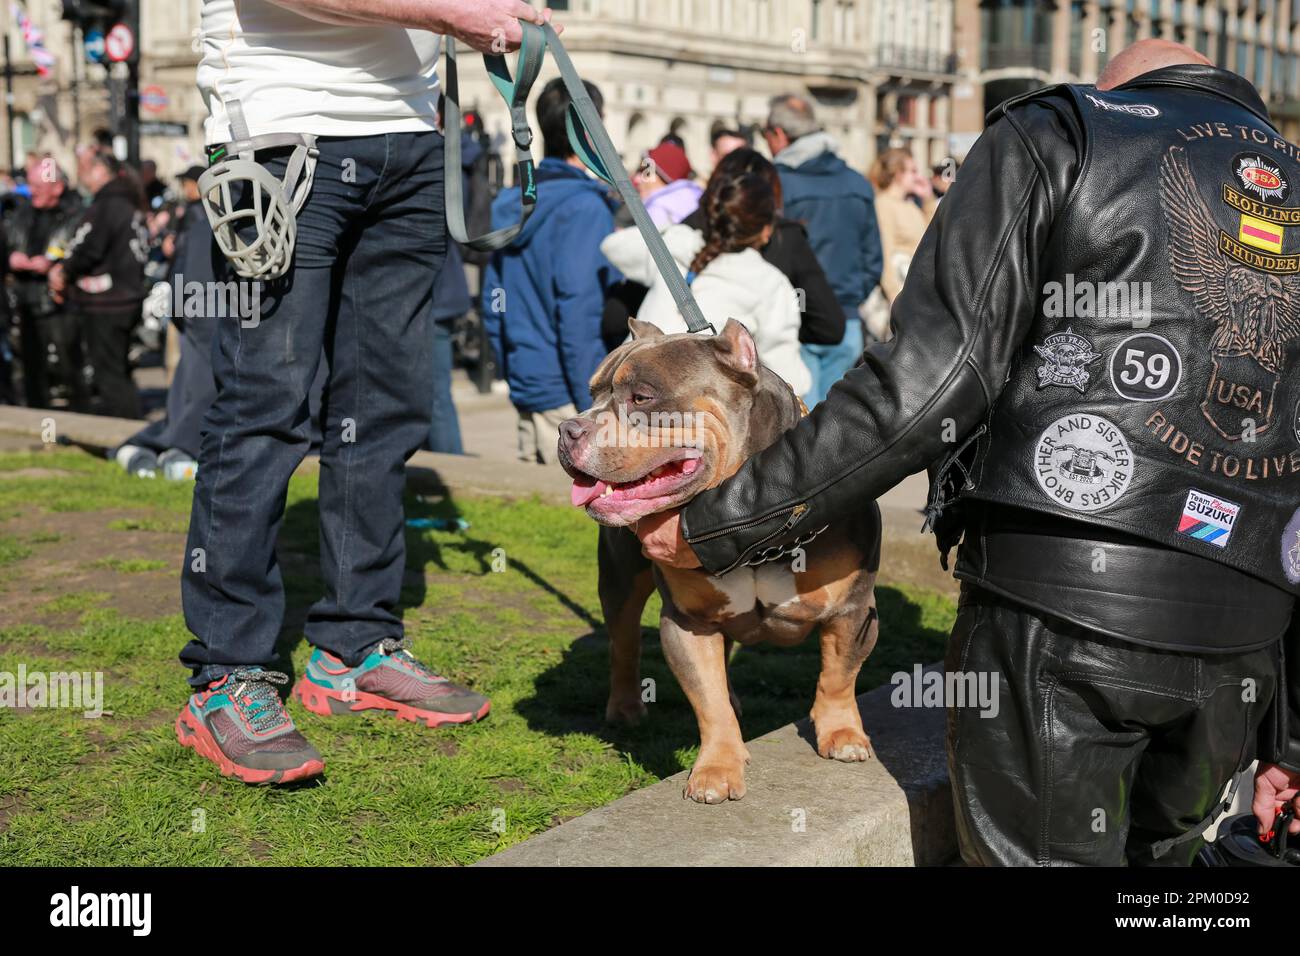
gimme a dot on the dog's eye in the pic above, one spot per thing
(640, 398)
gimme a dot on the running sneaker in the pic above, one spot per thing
(240, 724)
(390, 678)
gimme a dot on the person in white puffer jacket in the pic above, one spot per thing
(728, 276)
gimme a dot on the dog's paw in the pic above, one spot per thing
(629, 712)
(847, 743)
(716, 782)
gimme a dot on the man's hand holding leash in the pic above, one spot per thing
(483, 25)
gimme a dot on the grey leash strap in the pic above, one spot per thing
(532, 50)
(1162, 847)
(298, 170)
(587, 131)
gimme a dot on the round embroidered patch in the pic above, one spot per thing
(1083, 462)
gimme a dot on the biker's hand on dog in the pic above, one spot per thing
(1273, 785)
(492, 26)
(662, 540)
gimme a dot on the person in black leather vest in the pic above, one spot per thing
(1097, 356)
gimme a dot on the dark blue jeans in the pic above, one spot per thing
(371, 240)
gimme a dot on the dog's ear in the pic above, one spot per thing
(644, 330)
(737, 352)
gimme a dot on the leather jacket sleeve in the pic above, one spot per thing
(970, 296)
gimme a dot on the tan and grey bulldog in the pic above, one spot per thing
(672, 416)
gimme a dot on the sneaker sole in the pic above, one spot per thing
(191, 732)
(327, 701)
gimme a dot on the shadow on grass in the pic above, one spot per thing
(775, 686)
(298, 549)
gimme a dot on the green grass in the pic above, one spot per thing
(508, 606)
(12, 550)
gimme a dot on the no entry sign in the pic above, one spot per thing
(119, 44)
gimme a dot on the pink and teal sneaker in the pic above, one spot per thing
(390, 678)
(240, 724)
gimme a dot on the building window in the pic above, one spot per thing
(1016, 33)
(1261, 58)
(907, 111)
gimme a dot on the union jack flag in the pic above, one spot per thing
(34, 37)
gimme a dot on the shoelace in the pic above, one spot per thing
(257, 697)
(391, 646)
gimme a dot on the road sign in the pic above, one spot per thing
(156, 128)
(94, 45)
(154, 99)
(120, 43)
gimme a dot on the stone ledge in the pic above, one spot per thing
(894, 810)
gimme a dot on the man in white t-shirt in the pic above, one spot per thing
(359, 76)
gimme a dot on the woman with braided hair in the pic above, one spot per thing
(726, 271)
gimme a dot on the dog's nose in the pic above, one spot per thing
(571, 430)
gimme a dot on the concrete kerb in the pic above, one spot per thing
(799, 809)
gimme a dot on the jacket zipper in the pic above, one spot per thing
(795, 514)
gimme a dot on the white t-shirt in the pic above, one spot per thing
(297, 75)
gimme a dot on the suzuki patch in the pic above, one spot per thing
(1207, 518)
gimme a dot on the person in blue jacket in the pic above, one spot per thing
(836, 205)
(543, 295)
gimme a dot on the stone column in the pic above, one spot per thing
(1061, 40)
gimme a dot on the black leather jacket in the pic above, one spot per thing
(32, 231)
(1173, 422)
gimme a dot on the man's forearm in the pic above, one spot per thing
(414, 14)
(486, 25)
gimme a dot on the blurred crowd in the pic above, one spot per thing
(805, 251)
(80, 252)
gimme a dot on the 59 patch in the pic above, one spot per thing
(1208, 518)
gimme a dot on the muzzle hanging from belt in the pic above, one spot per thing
(254, 216)
(588, 137)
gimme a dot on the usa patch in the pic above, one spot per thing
(1208, 518)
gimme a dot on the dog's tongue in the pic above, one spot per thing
(586, 490)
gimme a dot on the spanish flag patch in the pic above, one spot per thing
(1260, 234)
